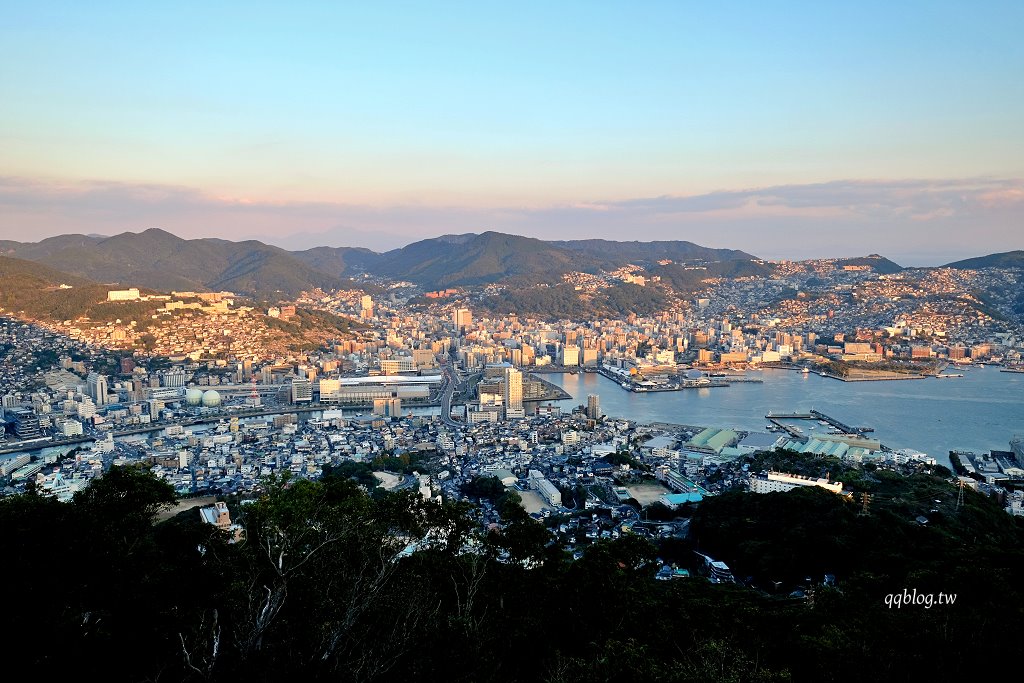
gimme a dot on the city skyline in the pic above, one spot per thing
(790, 132)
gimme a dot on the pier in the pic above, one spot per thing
(817, 415)
(839, 425)
(792, 431)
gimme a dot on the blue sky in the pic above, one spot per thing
(868, 126)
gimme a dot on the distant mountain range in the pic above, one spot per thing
(159, 260)
(162, 261)
(651, 251)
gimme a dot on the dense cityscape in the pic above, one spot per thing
(487, 343)
(203, 394)
(404, 391)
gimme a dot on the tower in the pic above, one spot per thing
(865, 504)
(593, 407)
(254, 396)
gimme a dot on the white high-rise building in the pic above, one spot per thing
(512, 389)
(97, 388)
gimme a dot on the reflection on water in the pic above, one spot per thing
(980, 411)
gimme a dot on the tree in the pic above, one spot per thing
(510, 506)
(490, 488)
(323, 568)
(123, 501)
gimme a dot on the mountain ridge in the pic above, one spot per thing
(160, 260)
(1003, 259)
(674, 250)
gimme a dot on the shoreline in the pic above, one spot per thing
(974, 413)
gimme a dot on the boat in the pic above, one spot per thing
(950, 375)
(806, 371)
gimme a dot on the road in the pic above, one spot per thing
(447, 392)
(41, 443)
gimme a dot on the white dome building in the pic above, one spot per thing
(211, 399)
(194, 397)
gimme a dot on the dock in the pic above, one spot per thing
(817, 415)
(839, 425)
(792, 431)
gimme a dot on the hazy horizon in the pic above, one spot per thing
(789, 131)
(310, 242)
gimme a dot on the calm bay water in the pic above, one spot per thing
(981, 411)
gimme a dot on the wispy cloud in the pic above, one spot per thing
(900, 197)
(909, 219)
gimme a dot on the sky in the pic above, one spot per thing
(786, 129)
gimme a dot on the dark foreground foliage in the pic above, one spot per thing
(321, 590)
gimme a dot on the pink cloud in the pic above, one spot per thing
(848, 216)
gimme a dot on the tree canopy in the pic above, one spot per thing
(331, 583)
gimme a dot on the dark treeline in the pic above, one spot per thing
(320, 589)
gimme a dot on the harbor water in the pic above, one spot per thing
(980, 411)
